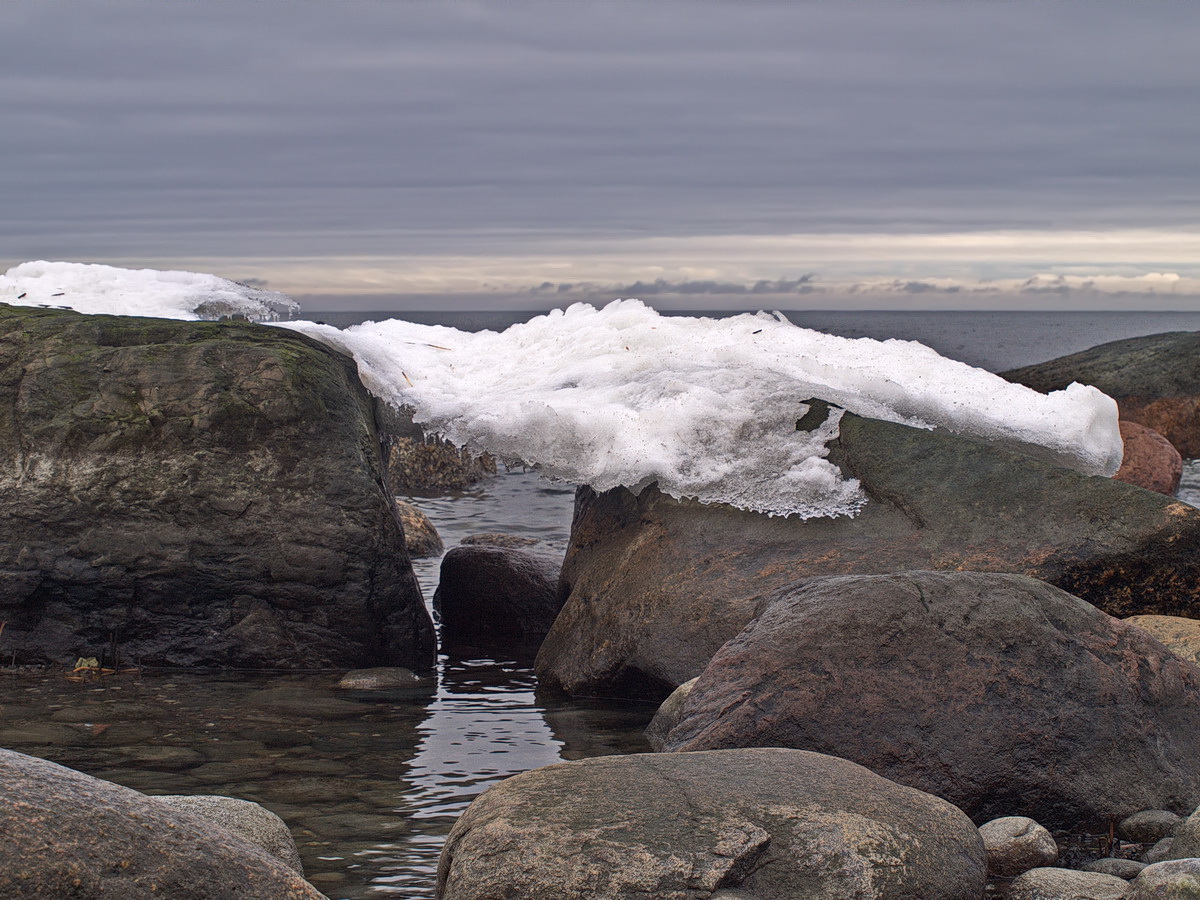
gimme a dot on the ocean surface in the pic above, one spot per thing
(371, 784)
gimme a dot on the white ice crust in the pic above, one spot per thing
(707, 408)
(94, 289)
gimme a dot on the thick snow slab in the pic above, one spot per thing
(707, 408)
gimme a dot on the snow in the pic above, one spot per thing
(96, 289)
(705, 408)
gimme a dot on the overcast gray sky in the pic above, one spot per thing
(839, 153)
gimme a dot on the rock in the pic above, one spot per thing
(385, 678)
(1149, 826)
(1120, 868)
(1067, 884)
(67, 834)
(655, 585)
(496, 598)
(500, 540)
(255, 823)
(1016, 844)
(1176, 879)
(1150, 461)
(668, 715)
(983, 689)
(1159, 852)
(420, 537)
(1154, 379)
(195, 494)
(773, 824)
(1179, 635)
(419, 463)
(1186, 838)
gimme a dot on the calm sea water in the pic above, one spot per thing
(371, 784)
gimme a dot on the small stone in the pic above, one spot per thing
(1176, 879)
(383, 678)
(1149, 826)
(1067, 884)
(1158, 852)
(1016, 844)
(1111, 865)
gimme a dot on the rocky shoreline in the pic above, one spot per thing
(934, 699)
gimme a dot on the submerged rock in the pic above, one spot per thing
(383, 678)
(656, 585)
(768, 824)
(67, 834)
(998, 693)
(498, 598)
(195, 493)
(1154, 379)
(1150, 461)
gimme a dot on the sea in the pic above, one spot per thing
(371, 784)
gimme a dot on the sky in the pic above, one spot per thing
(414, 155)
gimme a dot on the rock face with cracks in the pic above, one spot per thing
(69, 835)
(656, 585)
(998, 693)
(195, 493)
(776, 824)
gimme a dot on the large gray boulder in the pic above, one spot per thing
(656, 585)
(1154, 379)
(768, 824)
(68, 835)
(195, 493)
(998, 693)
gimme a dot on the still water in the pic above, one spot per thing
(369, 784)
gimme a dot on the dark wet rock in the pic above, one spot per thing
(1115, 866)
(194, 493)
(1176, 879)
(1149, 826)
(1159, 852)
(419, 463)
(67, 834)
(668, 715)
(255, 823)
(1178, 634)
(1150, 461)
(998, 693)
(420, 536)
(1016, 844)
(1067, 884)
(500, 598)
(773, 824)
(657, 585)
(1154, 379)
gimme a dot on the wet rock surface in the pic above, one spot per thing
(769, 824)
(418, 463)
(420, 537)
(656, 585)
(1154, 379)
(69, 835)
(194, 493)
(998, 693)
(497, 597)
